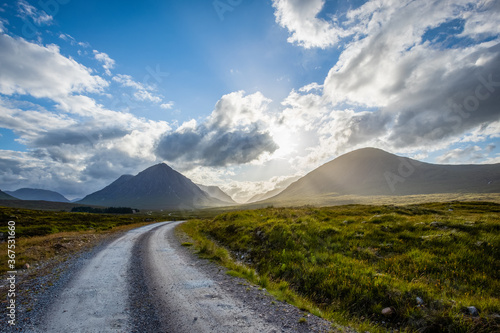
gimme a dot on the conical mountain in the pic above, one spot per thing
(371, 171)
(157, 187)
(37, 194)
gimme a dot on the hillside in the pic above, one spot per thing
(216, 192)
(266, 195)
(157, 187)
(37, 194)
(374, 172)
(5, 196)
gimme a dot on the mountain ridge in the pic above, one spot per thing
(37, 194)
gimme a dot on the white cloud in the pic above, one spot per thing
(2, 25)
(484, 21)
(236, 132)
(107, 62)
(167, 106)
(71, 136)
(42, 72)
(392, 87)
(38, 16)
(142, 92)
(470, 154)
(237, 110)
(300, 17)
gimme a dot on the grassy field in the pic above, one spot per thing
(428, 263)
(41, 235)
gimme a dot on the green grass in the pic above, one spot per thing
(41, 235)
(347, 263)
(31, 223)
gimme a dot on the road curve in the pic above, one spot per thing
(184, 298)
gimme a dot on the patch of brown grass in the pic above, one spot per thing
(33, 250)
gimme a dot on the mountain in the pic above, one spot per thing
(280, 186)
(5, 196)
(37, 194)
(265, 195)
(157, 187)
(370, 171)
(216, 192)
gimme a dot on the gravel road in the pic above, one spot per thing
(145, 281)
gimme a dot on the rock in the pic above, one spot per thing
(58, 246)
(473, 311)
(387, 311)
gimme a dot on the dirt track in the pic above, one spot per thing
(145, 281)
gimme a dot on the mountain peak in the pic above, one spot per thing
(372, 171)
(157, 187)
(160, 167)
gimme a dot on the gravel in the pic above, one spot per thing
(39, 286)
(149, 308)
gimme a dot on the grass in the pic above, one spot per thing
(347, 263)
(42, 235)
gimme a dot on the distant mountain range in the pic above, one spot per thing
(217, 193)
(266, 195)
(269, 194)
(373, 172)
(37, 194)
(157, 187)
(365, 173)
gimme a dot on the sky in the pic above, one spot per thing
(248, 95)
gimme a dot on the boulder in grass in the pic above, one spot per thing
(473, 311)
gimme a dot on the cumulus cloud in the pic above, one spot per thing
(107, 62)
(42, 72)
(235, 133)
(396, 84)
(300, 17)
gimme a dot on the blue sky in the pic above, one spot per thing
(244, 94)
